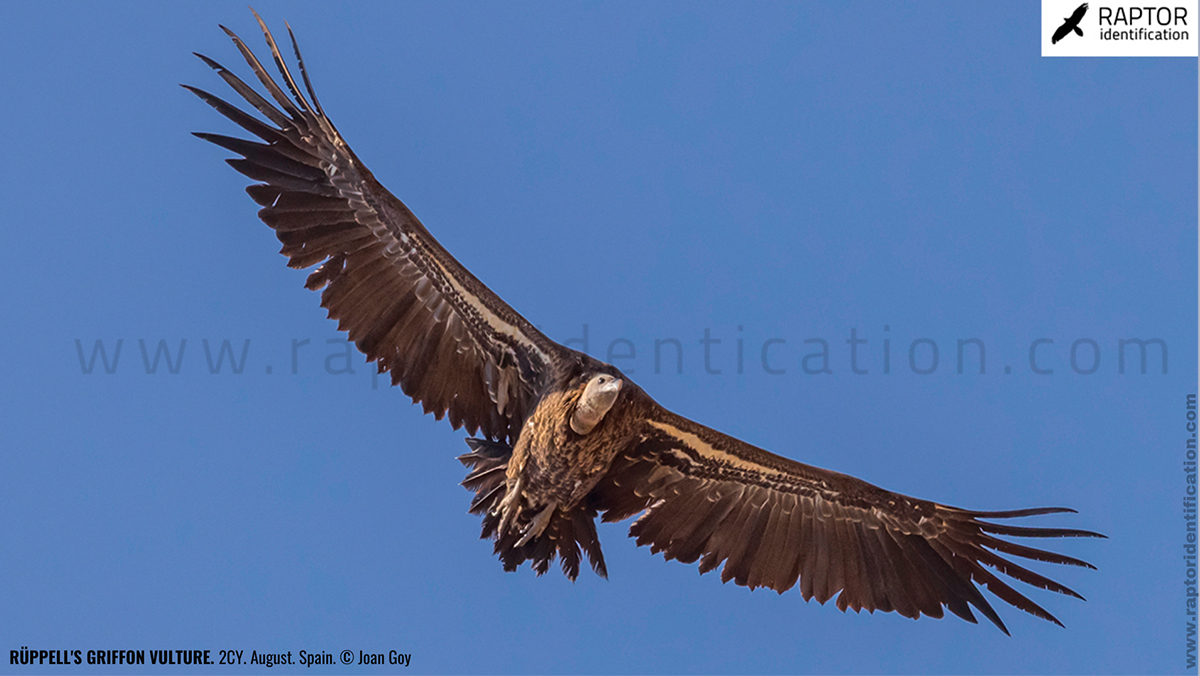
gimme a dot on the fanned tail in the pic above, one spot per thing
(570, 534)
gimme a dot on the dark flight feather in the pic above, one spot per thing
(871, 548)
(449, 341)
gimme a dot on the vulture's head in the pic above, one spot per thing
(599, 395)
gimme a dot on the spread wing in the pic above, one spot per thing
(1077, 16)
(448, 340)
(774, 522)
(1061, 33)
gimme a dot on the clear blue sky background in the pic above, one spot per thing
(799, 172)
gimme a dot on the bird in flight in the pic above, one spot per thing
(1070, 23)
(563, 438)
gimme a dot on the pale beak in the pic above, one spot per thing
(597, 398)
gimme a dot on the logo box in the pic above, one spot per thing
(1163, 28)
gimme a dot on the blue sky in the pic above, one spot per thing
(917, 175)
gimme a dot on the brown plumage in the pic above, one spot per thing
(566, 438)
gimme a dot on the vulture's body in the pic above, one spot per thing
(564, 438)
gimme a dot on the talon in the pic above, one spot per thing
(508, 507)
(538, 525)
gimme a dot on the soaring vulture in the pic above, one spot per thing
(564, 438)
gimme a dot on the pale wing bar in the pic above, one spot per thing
(776, 523)
(448, 341)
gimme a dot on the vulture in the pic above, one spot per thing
(560, 438)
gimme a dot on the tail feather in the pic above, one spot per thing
(569, 535)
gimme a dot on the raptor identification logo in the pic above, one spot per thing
(1107, 28)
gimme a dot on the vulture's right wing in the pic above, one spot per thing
(448, 340)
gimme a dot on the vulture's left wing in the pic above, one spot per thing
(709, 497)
(448, 340)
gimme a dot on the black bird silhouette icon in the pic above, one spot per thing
(1070, 23)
